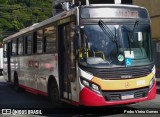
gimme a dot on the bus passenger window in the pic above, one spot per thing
(40, 41)
(20, 46)
(29, 44)
(50, 39)
(5, 50)
(14, 48)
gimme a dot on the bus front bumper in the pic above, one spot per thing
(90, 98)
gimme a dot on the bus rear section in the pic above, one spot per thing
(115, 56)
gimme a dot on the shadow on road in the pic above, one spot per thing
(24, 101)
(9, 98)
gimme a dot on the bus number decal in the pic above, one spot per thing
(141, 82)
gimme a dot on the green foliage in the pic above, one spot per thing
(17, 25)
(4, 24)
(18, 14)
(3, 1)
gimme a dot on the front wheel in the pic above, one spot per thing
(54, 94)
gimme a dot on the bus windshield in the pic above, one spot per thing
(115, 45)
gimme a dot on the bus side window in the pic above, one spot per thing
(14, 47)
(40, 41)
(20, 46)
(28, 44)
(5, 50)
(50, 39)
(25, 45)
(34, 45)
(44, 44)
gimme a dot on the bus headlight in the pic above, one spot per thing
(151, 83)
(153, 70)
(94, 87)
(85, 83)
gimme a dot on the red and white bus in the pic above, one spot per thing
(91, 55)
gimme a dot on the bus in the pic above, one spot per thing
(90, 55)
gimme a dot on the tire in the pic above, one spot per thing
(16, 83)
(53, 94)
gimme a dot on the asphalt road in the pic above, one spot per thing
(9, 99)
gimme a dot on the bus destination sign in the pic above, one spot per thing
(126, 14)
(109, 13)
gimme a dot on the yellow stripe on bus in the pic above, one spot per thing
(123, 84)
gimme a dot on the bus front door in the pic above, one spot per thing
(66, 61)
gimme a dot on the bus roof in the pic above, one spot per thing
(117, 5)
(63, 15)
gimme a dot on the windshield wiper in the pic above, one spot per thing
(109, 33)
(115, 40)
(129, 42)
(106, 30)
(135, 25)
(130, 38)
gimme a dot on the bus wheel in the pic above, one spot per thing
(53, 93)
(16, 83)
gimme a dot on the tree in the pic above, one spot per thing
(18, 14)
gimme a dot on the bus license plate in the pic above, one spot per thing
(127, 96)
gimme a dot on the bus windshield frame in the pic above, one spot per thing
(98, 49)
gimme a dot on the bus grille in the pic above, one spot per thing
(117, 73)
(116, 95)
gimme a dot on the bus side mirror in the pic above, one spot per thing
(76, 41)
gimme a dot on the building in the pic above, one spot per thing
(153, 7)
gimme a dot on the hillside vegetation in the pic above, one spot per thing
(18, 14)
